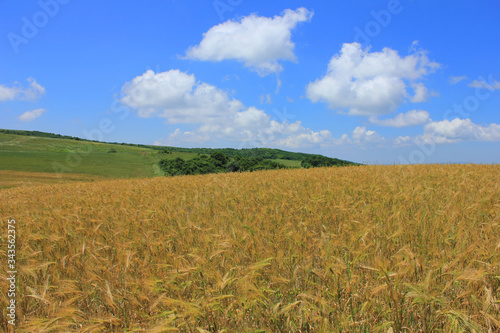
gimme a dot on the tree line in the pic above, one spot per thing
(218, 162)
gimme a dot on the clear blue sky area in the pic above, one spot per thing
(371, 81)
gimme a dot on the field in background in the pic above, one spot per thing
(38, 156)
(76, 159)
(354, 249)
(10, 178)
(288, 163)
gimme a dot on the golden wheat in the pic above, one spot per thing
(9, 178)
(354, 249)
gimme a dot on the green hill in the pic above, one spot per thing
(34, 151)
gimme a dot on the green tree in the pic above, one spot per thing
(220, 158)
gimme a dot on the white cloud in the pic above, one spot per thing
(31, 115)
(371, 83)
(344, 139)
(362, 136)
(252, 130)
(16, 92)
(304, 138)
(421, 93)
(253, 127)
(251, 118)
(494, 85)
(259, 42)
(457, 130)
(402, 140)
(7, 94)
(410, 118)
(179, 98)
(456, 79)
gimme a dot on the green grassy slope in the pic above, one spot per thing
(45, 154)
(33, 151)
(265, 153)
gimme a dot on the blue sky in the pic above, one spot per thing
(370, 81)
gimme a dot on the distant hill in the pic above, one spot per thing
(265, 153)
(29, 152)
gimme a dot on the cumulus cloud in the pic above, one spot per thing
(457, 130)
(410, 118)
(343, 140)
(31, 115)
(371, 83)
(402, 140)
(421, 93)
(180, 99)
(17, 92)
(252, 128)
(362, 136)
(258, 42)
(456, 79)
(305, 139)
(177, 96)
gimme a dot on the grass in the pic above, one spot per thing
(48, 155)
(72, 159)
(354, 249)
(289, 163)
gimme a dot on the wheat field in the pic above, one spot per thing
(9, 178)
(353, 249)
